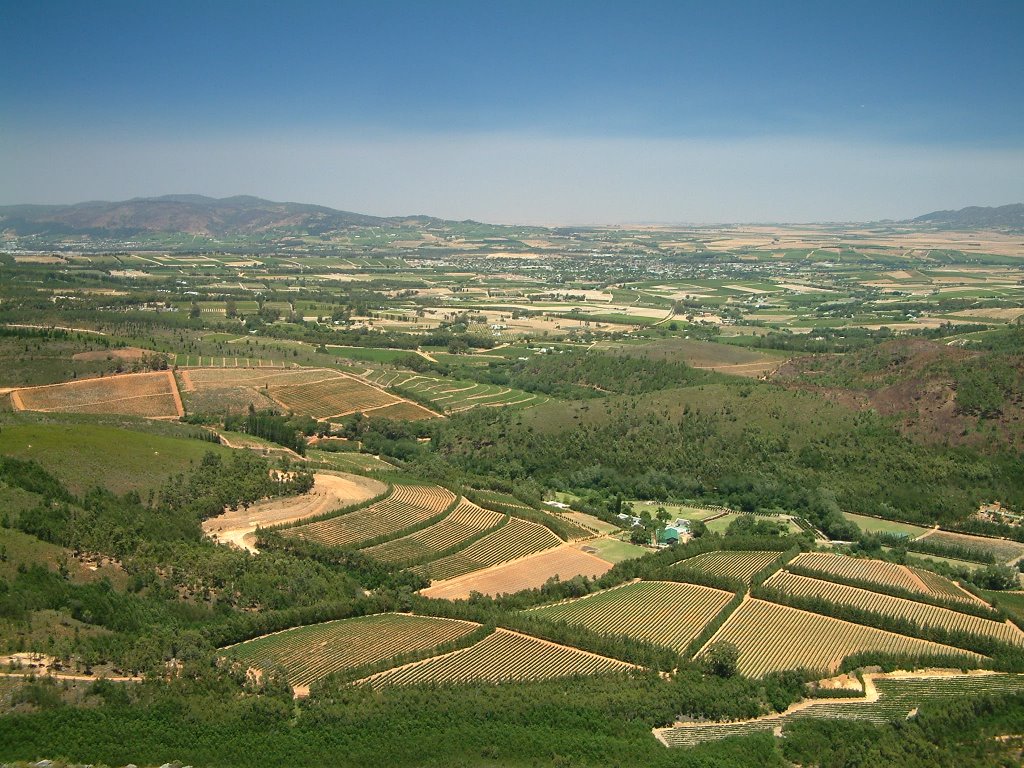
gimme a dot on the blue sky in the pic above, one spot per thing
(520, 111)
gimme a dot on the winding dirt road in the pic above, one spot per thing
(330, 491)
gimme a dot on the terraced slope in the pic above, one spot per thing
(501, 656)
(309, 653)
(516, 538)
(462, 524)
(773, 637)
(405, 507)
(666, 613)
(900, 608)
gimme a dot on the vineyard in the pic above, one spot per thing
(405, 506)
(152, 395)
(531, 572)
(897, 607)
(516, 538)
(453, 395)
(312, 652)
(735, 565)
(881, 573)
(217, 390)
(501, 656)
(569, 528)
(773, 637)
(200, 361)
(464, 522)
(332, 398)
(666, 613)
(213, 378)
(897, 697)
(1001, 549)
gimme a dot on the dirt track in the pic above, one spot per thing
(330, 491)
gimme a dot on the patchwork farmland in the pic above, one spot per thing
(152, 395)
(921, 613)
(501, 656)
(772, 637)
(666, 613)
(322, 393)
(312, 652)
(1003, 550)
(883, 573)
(405, 507)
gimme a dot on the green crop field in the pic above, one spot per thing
(877, 525)
(85, 453)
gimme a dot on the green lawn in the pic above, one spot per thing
(874, 525)
(615, 551)
(676, 510)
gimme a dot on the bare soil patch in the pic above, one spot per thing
(528, 573)
(330, 491)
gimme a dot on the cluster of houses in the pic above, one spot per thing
(672, 533)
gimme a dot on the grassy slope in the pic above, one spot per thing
(87, 453)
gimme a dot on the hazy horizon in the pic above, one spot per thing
(536, 113)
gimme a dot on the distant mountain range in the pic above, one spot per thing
(187, 214)
(245, 216)
(974, 217)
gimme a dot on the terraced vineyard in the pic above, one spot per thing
(501, 656)
(404, 507)
(517, 538)
(735, 565)
(453, 395)
(333, 397)
(921, 613)
(312, 652)
(882, 573)
(666, 613)
(773, 637)
(898, 696)
(464, 522)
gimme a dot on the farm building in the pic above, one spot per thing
(671, 535)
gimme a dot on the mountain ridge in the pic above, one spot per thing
(187, 214)
(977, 217)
